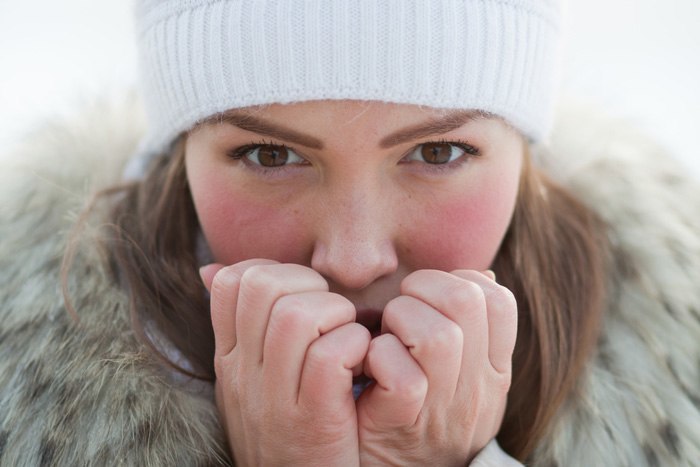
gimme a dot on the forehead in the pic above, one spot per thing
(388, 123)
(347, 112)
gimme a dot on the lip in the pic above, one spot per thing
(371, 319)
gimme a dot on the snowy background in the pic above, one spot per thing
(640, 59)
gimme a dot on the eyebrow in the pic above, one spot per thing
(436, 126)
(247, 122)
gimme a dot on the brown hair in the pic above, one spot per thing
(553, 258)
(151, 237)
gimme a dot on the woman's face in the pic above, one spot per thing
(362, 192)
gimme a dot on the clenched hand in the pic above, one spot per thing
(287, 349)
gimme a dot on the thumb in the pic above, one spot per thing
(396, 397)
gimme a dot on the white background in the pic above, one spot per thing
(639, 59)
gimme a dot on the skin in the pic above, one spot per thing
(355, 233)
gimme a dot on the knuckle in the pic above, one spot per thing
(321, 356)
(393, 309)
(281, 278)
(497, 386)
(339, 305)
(302, 274)
(292, 313)
(376, 344)
(503, 298)
(412, 389)
(463, 293)
(362, 333)
(381, 346)
(224, 281)
(445, 339)
(339, 300)
(417, 279)
(258, 278)
(503, 382)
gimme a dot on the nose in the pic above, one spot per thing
(355, 238)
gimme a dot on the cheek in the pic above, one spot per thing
(239, 227)
(464, 232)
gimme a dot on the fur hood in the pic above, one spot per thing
(83, 394)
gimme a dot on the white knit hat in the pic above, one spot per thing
(202, 57)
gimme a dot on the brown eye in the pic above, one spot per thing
(272, 156)
(268, 156)
(441, 152)
(437, 153)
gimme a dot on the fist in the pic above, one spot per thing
(284, 358)
(442, 370)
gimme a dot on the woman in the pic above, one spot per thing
(367, 198)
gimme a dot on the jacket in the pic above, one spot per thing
(85, 393)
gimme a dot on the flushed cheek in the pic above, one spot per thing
(238, 229)
(462, 233)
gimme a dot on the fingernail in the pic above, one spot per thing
(490, 274)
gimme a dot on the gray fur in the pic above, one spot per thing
(83, 394)
(638, 404)
(87, 394)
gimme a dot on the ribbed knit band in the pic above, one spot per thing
(201, 57)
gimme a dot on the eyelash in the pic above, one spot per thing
(468, 148)
(240, 153)
(470, 151)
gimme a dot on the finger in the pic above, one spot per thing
(260, 287)
(398, 393)
(490, 274)
(208, 272)
(502, 317)
(461, 301)
(326, 377)
(296, 321)
(433, 340)
(223, 287)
